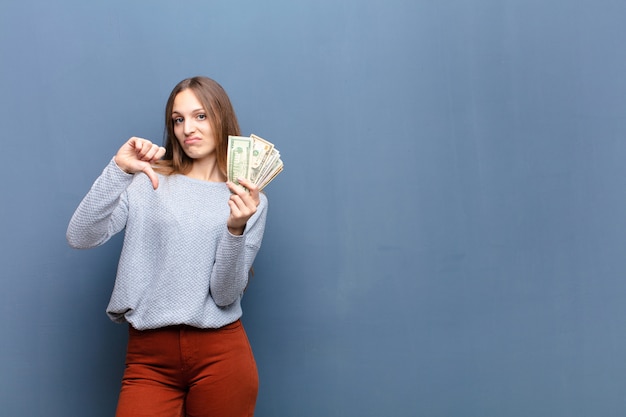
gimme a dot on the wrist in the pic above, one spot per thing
(121, 167)
(237, 231)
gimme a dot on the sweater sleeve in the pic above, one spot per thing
(103, 211)
(234, 258)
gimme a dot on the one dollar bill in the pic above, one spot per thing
(238, 157)
(254, 159)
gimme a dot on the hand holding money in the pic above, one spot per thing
(254, 159)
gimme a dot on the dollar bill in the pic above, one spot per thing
(269, 165)
(277, 170)
(252, 158)
(260, 151)
(238, 157)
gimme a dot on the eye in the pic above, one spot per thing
(177, 120)
(202, 116)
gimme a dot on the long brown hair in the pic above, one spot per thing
(221, 116)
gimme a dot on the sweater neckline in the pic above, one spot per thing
(198, 181)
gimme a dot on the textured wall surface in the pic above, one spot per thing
(447, 238)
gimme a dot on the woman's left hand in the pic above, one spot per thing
(243, 204)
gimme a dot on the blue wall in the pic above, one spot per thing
(447, 239)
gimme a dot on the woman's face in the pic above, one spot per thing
(192, 127)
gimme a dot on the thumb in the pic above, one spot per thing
(152, 175)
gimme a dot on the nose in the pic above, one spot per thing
(189, 126)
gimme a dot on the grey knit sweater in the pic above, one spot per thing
(179, 264)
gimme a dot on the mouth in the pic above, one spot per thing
(192, 140)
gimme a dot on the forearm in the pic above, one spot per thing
(234, 258)
(98, 216)
(230, 272)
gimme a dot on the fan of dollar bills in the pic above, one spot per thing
(254, 159)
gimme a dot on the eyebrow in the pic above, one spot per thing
(192, 112)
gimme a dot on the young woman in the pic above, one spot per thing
(189, 243)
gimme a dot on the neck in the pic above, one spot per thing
(206, 170)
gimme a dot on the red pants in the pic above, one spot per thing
(184, 371)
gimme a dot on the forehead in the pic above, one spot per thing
(186, 101)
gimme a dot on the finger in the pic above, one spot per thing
(235, 188)
(160, 154)
(237, 218)
(237, 205)
(243, 195)
(241, 209)
(235, 212)
(151, 152)
(126, 156)
(253, 190)
(247, 183)
(143, 147)
(235, 223)
(245, 187)
(137, 143)
(152, 175)
(147, 151)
